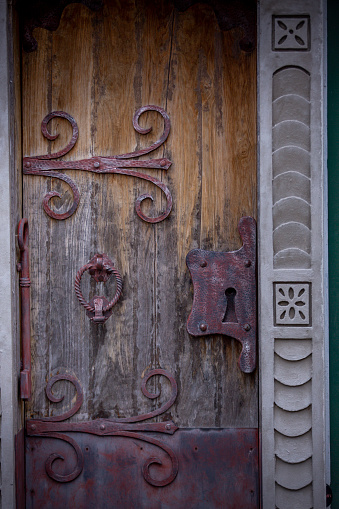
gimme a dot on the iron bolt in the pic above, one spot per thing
(163, 162)
(168, 426)
(247, 327)
(33, 427)
(203, 264)
(248, 263)
(96, 164)
(102, 426)
(28, 164)
(203, 327)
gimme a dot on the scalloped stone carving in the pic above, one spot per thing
(293, 449)
(293, 349)
(293, 437)
(291, 169)
(292, 424)
(300, 499)
(293, 476)
(293, 373)
(293, 399)
(289, 158)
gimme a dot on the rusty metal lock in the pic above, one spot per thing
(225, 291)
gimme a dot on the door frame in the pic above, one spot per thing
(293, 355)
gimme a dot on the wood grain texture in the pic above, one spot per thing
(100, 67)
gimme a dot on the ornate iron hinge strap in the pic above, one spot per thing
(129, 427)
(225, 293)
(123, 164)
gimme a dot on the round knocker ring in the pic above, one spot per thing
(100, 267)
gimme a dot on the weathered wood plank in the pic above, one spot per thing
(36, 84)
(212, 101)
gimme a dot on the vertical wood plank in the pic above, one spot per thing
(36, 93)
(212, 101)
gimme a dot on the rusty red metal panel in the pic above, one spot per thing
(225, 293)
(20, 469)
(218, 468)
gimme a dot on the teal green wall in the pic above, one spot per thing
(333, 203)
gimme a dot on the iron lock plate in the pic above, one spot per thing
(225, 294)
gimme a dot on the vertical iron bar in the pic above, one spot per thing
(25, 283)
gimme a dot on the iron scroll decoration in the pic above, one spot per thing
(49, 165)
(129, 427)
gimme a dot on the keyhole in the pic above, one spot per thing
(230, 314)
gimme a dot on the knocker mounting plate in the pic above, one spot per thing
(225, 293)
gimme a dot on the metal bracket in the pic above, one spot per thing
(225, 293)
(100, 267)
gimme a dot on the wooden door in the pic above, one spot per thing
(100, 68)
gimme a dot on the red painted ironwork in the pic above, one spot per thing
(225, 293)
(128, 427)
(78, 401)
(25, 283)
(46, 165)
(218, 469)
(52, 137)
(100, 267)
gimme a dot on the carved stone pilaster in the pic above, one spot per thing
(291, 254)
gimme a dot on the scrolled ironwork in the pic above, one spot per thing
(129, 427)
(47, 165)
(146, 130)
(154, 460)
(149, 395)
(49, 393)
(52, 194)
(52, 137)
(55, 456)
